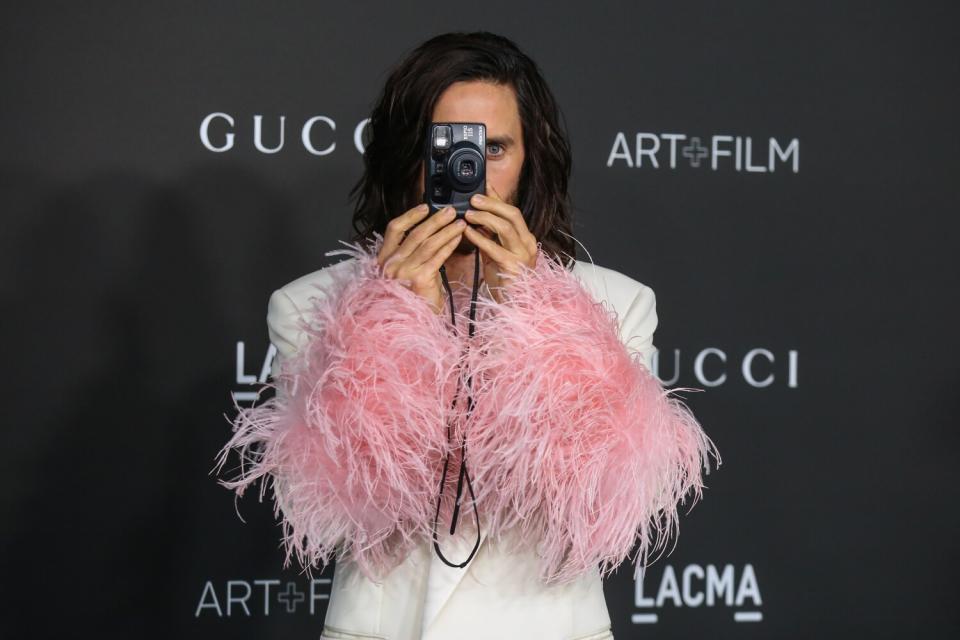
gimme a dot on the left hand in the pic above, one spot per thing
(512, 244)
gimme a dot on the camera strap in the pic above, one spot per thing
(464, 474)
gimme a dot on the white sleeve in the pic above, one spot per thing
(283, 318)
(639, 323)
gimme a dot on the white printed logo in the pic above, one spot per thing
(697, 586)
(651, 150)
(260, 598)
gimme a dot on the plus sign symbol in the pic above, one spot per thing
(695, 152)
(291, 597)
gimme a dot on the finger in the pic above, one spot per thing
(429, 248)
(495, 205)
(441, 256)
(414, 238)
(426, 229)
(496, 225)
(397, 227)
(493, 250)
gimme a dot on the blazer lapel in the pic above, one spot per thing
(444, 580)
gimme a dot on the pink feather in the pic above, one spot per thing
(572, 442)
(354, 438)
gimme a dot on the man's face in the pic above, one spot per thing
(496, 106)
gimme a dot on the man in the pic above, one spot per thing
(559, 409)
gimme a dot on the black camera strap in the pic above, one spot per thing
(464, 474)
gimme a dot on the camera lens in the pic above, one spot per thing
(467, 169)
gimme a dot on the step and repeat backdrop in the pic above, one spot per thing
(784, 176)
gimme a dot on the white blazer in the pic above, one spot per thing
(498, 594)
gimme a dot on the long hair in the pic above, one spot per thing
(402, 114)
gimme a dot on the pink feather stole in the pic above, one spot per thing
(574, 445)
(571, 443)
(354, 437)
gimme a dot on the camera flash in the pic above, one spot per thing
(441, 137)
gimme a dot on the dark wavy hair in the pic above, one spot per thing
(400, 119)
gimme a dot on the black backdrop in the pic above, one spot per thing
(813, 298)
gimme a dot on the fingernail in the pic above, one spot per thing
(478, 198)
(423, 207)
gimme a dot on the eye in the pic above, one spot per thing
(497, 146)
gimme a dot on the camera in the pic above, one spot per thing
(454, 165)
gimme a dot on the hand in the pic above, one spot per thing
(514, 244)
(418, 255)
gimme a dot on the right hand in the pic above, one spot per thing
(418, 256)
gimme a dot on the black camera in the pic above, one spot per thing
(455, 165)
